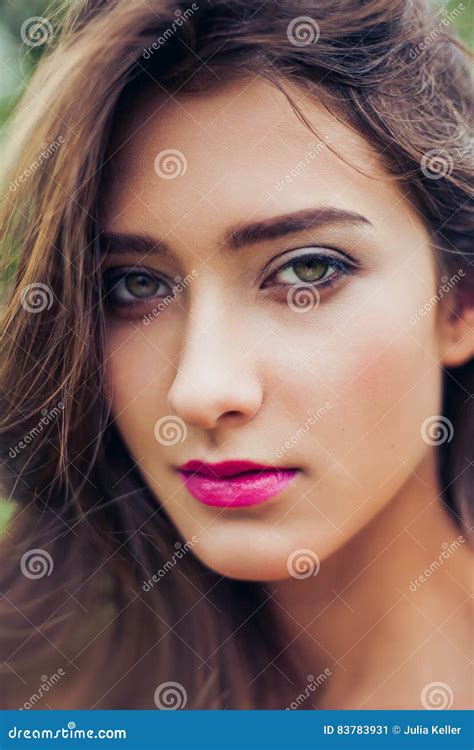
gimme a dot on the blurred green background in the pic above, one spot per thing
(18, 59)
(5, 511)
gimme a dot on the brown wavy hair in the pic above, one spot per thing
(78, 494)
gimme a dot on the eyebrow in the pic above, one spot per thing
(239, 236)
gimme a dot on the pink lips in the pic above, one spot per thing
(234, 483)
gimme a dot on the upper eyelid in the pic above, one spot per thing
(122, 271)
(129, 269)
(323, 256)
(311, 251)
(273, 266)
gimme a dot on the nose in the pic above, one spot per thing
(213, 384)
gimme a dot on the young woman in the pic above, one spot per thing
(236, 366)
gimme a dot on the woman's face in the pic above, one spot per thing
(335, 379)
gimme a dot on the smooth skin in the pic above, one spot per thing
(245, 372)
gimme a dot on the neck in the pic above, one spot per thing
(372, 616)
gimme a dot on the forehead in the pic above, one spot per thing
(235, 151)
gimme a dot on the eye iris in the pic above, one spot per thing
(310, 269)
(141, 285)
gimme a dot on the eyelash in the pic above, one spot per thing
(342, 267)
(113, 277)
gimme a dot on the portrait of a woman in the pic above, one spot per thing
(237, 375)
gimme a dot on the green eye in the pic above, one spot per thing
(320, 270)
(141, 285)
(123, 287)
(310, 269)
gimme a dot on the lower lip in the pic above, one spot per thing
(238, 491)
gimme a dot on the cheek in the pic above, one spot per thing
(387, 383)
(381, 378)
(138, 374)
(386, 389)
(390, 370)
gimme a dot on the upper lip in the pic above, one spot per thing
(226, 468)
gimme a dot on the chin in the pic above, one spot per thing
(260, 571)
(239, 561)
